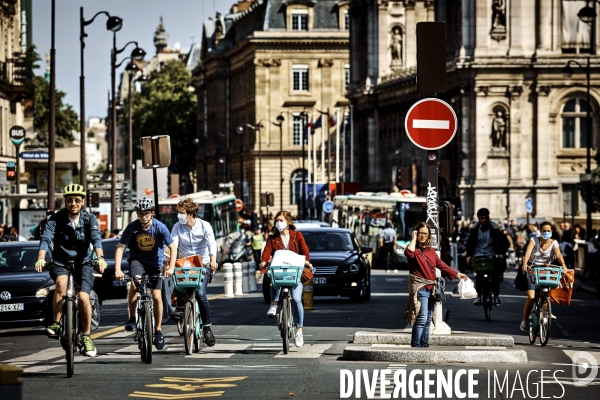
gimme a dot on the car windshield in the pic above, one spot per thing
(18, 258)
(328, 241)
(109, 248)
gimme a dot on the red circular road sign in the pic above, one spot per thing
(239, 205)
(430, 124)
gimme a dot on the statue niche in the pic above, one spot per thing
(499, 131)
(498, 31)
(396, 48)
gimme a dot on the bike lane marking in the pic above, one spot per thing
(189, 388)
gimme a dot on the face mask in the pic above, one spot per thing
(546, 235)
(182, 218)
(280, 225)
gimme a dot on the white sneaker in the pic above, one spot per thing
(272, 311)
(299, 341)
(553, 317)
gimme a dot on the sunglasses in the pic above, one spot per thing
(76, 200)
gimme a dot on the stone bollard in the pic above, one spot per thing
(245, 278)
(252, 276)
(307, 295)
(237, 279)
(228, 279)
(11, 387)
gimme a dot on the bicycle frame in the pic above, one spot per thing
(285, 318)
(540, 317)
(143, 333)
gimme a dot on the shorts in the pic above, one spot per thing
(136, 268)
(83, 277)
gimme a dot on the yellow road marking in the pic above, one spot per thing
(152, 395)
(216, 297)
(107, 332)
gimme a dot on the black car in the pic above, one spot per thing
(341, 264)
(108, 287)
(23, 291)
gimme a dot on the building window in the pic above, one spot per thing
(574, 124)
(346, 21)
(346, 76)
(296, 186)
(300, 78)
(300, 21)
(575, 33)
(297, 126)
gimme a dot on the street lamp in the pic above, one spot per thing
(240, 131)
(568, 71)
(257, 128)
(131, 69)
(113, 24)
(138, 55)
(280, 118)
(304, 116)
(587, 14)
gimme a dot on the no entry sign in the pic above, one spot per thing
(430, 124)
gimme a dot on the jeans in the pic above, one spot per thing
(388, 248)
(203, 302)
(420, 330)
(297, 309)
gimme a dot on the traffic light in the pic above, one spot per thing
(446, 218)
(11, 171)
(93, 199)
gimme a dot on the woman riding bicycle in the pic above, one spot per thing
(285, 237)
(544, 250)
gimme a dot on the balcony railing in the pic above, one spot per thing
(15, 72)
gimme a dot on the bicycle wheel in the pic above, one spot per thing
(198, 330)
(148, 332)
(545, 320)
(69, 332)
(487, 301)
(285, 322)
(180, 327)
(188, 327)
(533, 323)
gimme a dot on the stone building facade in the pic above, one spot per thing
(521, 126)
(264, 60)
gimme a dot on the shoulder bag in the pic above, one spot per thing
(440, 283)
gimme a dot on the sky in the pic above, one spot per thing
(182, 20)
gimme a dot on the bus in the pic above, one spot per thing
(366, 213)
(217, 209)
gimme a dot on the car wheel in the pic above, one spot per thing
(266, 288)
(363, 293)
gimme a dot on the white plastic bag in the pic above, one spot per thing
(466, 289)
(287, 257)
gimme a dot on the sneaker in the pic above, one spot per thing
(396, 271)
(130, 325)
(497, 301)
(524, 326)
(209, 338)
(159, 340)
(553, 317)
(272, 311)
(299, 341)
(388, 272)
(54, 329)
(89, 349)
(477, 301)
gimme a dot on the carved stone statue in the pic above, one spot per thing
(396, 44)
(498, 31)
(498, 131)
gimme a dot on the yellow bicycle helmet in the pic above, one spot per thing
(74, 190)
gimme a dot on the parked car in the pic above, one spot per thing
(23, 291)
(108, 287)
(341, 264)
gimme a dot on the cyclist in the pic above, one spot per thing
(68, 235)
(145, 238)
(487, 240)
(285, 237)
(544, 250)
(192, 236)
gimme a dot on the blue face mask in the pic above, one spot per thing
(546, 235)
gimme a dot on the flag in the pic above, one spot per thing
(315, 125)
(333, 119)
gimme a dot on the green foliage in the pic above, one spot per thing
(167, 106)
(66, 117)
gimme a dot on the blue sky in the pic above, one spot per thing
(182, 20)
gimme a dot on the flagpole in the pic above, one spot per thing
(337, 146)
(344, 149)
(314, 168)
(328, 156)
(351, 143)
(322, 151)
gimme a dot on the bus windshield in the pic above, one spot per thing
(406, 217)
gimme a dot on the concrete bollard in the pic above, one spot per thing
(252, 276)
(237, 279)
(11, 387)
(245, 278)
(307, 295)
(228, 279)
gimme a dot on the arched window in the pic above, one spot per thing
(575, 124)
(296, 185)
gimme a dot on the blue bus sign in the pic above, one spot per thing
(529, 205)
(328, 206)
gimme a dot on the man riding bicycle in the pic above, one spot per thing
(487, 240)
(68, 234)
(145, 238)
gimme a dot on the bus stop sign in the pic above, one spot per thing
(430, 123)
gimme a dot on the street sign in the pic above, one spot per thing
(328, 206)
(239, 205)
(17, 134)
(431, 57)
(529, 205)
(34, 155)
(430, 124)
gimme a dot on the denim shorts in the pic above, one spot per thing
(136, 268)
(83, 277)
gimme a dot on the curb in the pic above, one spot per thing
(363, 337)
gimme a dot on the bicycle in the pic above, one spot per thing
(540, 319)
(484, 268)
(285, 278)
(188, 279)
(143, 333)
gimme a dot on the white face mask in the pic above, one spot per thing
(280, 225)
(182, 218)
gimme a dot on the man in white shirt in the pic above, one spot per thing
(193, 236)
(387, 244)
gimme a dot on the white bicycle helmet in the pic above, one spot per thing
(144, 204)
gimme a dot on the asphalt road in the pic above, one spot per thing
(247, 361)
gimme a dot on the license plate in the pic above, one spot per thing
(319, 281)
(12, 307)
(119, 283)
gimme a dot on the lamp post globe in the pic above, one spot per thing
(114, 24)
(138, 54)
(587, 14)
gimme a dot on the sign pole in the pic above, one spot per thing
(17, 136)
(18, 169)
(154, 178)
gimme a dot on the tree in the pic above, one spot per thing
(66, 117)
(167, 106)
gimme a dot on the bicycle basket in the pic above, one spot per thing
(482, 264)
(285, 276)
(188, 277)
(547, 277)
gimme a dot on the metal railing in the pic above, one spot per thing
(14, 71)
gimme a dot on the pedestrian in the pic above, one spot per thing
(194, 236)
(540, 250)
(285, 237)
(145, 238)
(387, 246)
(258, 240)
(422, 261)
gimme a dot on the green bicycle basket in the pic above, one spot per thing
(483, 264)
(285, 276)
(188, 277)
